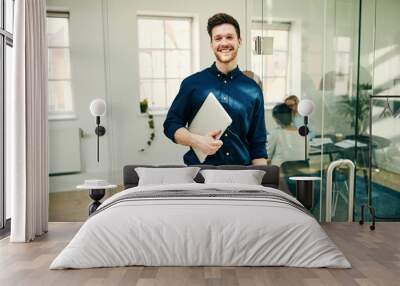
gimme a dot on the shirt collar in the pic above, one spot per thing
(232, 74)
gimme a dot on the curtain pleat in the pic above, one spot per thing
(29, 216)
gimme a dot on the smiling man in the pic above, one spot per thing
(244, 142)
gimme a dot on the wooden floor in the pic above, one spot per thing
(375, 256)
(71, 206)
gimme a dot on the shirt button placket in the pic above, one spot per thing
(225, 97)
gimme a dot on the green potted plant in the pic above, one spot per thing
(144, 108)
(349, 109)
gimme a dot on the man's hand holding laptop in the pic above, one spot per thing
(204, 131)
(208, 144)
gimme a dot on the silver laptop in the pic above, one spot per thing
(210, 117)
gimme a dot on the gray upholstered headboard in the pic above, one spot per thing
(270, 179)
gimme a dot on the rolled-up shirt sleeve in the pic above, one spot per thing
(257, 135)
(179, 112)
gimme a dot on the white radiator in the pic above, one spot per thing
(65, 151)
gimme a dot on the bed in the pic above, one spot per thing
(198, 224)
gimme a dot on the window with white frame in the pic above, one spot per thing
(273, 69)
(165, 57)
(59, 75)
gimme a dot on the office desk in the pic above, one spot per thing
(331, 149)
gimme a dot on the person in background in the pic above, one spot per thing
(292, 101)
(254, 77)
(284, 142)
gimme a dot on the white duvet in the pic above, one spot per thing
(200, 231)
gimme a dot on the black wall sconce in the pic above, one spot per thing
(305, 108)
(97, 109)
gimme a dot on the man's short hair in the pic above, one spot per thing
(282, 114)
(222, 18)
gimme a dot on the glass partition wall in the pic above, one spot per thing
(314, 56)
(380, 82)
(369, 113)
(340, 54)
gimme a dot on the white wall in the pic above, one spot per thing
(88, 82)
(387, 44)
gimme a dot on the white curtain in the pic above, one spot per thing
(27, 122)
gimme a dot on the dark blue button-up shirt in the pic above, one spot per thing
(242, 98)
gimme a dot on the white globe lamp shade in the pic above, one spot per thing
(98, 107)
(306, 107)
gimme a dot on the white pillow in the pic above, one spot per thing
(248, 177)
(164, 176)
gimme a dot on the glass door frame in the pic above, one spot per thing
(6, 39)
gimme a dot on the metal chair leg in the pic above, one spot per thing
(372, 212)
(362, 215)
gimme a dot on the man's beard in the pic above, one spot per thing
(221, 59)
